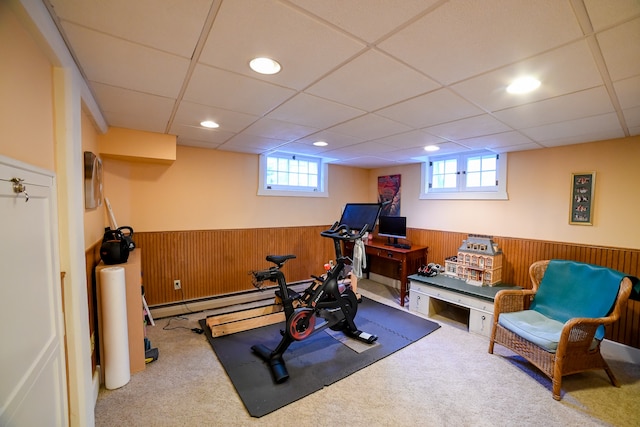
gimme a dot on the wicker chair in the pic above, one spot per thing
(570, 342)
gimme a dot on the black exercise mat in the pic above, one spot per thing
(315, 362)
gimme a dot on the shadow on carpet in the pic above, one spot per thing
(315, 362)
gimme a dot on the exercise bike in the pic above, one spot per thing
(326, 298)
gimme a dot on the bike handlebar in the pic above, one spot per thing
(343, 232)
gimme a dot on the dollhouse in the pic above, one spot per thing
(478, 262)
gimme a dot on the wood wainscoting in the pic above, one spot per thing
(92, 259)
(218, 262)
(211, 263)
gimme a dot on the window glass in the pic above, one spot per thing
(474, 175)
(481, 171)
(281, 172)
(445, 173)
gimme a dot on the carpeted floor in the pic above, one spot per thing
(444, 379)
(318, 361)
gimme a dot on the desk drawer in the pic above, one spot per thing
(480, 323)
(381, 253)
(453, 297)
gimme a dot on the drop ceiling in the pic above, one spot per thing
(378, 80)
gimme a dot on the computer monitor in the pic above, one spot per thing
(393, 227)
(357, 215)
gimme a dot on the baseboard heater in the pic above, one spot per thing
(177, 308)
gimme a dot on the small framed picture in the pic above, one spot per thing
(582, 190)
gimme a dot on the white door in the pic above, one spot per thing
(33, 389)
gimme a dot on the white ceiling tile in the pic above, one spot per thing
(570, 68)
(192, 114)
(381, 81)
(468, 128)
(445, 148)
(125, 108)
(222, 89)
(361, 71)
(435, 107)
(305, 47)
(312, 111)
(251, 144)
(412, 139)
(505, 139)
(145, 123)
(365, 162)
(170, 26)
(241, 149)
(621, 50)
(117, 62)
(367, 19)
(604, 126)
(408, 155)
(198, 133)
(605, 13)
(302, 147)
(519, 147)
(363, 149)
(333, 139)
(276, 129)
(467, 37)
(370, 126)
(632, 117)
(196, 143)
(634, 130)
(586, 103)
(628, 91)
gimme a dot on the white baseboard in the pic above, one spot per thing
(387, 281)
(617, 351)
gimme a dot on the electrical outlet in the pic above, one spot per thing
(177, 285)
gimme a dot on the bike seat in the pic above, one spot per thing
(279, 259)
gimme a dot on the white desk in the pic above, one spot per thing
(428, 296)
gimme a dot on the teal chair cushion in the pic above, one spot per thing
(533, 327)
(536, 328)
(573, 289)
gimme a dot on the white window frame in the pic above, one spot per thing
(291, 191)
(499, 192)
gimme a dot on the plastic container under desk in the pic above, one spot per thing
(432, 296)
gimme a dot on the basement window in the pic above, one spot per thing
(284, 174)
(478, 175)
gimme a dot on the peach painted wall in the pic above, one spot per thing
(208, 189)
(539, 184)
(26, 95)
(94, 219)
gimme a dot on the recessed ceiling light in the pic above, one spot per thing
(523, 85)
(431, 148)
(209, 124)
(265, 66)
(320, 144)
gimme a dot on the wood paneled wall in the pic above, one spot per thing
(92, 258)
(217, 262)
